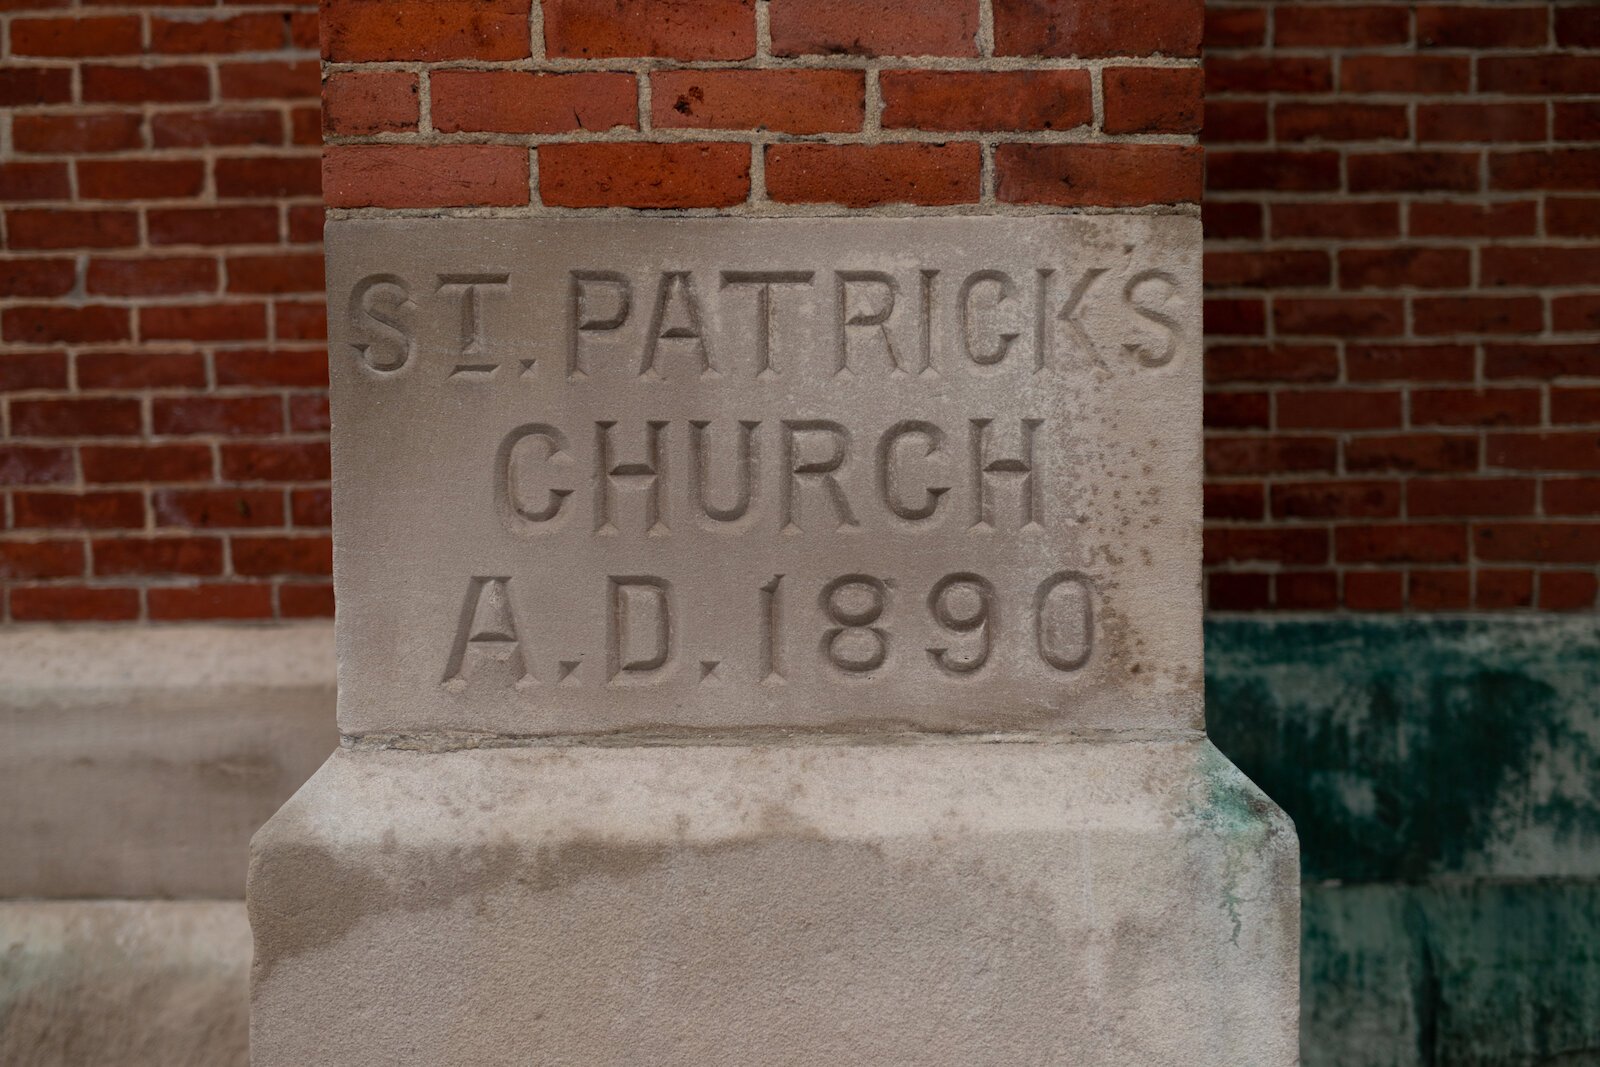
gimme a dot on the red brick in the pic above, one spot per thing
(1235, 317)
(235, 33)
(1413, 171)
(1456, 219)
(77, 511)
(1480, 407)
(276, 461)
(117, 464)
(140, 370)
(1237, 411)
(1236, 501)
(1496, 589)
(37, 277)
(1234, 121)
(270, 79)
(1342, 499)
(1544, 75)
(35, 465)
(1235, 27)
(203, 129)
(1477, 314)
(429, 175)
(364, 31)
(32, 86)
(151, 276)
(311, 507)
(644, 175)
(303, 29)
(284, 272)
(792, 101)
(305, 126)
(203, 322)
(1271, 363)
(1419, 363)
(47, 323)
(1231, 591)
(1538, 542)
(299, 322)
(1567, 590)
(1227, 456)
(1409, 75)
(1532, 265)
(1293, 545)
(1399, 267)
(1273, 171)
(22, 371)
(868, 175)
(1577, 121)
(210, 600)
(1423, 453)
(140, 179)
(281, 176)
(1269, 74)
(75, 417)
(1096, 27)
(1344, 26)
(1469, 497)
(1355, 219)
(1100, 175)
(290, 368)
(355, 103)
(264, 556)
(73, 604)
(216, 509)
(213, 225)
(24, 560)
(112, 35)
(1343, 121)
(1562, 168)
(1441, 26)
(987, 100)
(1305, 590)
(520, 102)
(249, 416)
(1579, 313)
(1440, 590)
(874, 28)
(1578, 27)
(305, 600)
(1338, 409)
(1560, 451)
(126, 557)
(34, 181)
(1226, 220)
(1373, 591)
(97, 131)
(1152, 99)
(1571, 496)
(173, 84)
(309, 413)
(598, 29)
(1409, 543)
(1278, 267)
(1339, 316)
(1541, 361)
(1575, 405)
(1481, 122)
(305, 224)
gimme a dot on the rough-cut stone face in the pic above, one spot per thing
(673, 475)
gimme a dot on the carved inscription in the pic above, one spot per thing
(642, 474)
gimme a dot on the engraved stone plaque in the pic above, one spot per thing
(693, 475)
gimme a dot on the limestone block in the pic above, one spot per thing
(1094, 904)
(130, 983)
(137, 761)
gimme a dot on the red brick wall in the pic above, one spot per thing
(1404, 364)
(1403, 261)
(164, 453)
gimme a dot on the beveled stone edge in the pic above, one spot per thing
(67, 658)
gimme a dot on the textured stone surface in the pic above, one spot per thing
(136, 984)
(138, 761)
(676, 475)
(1025, 903)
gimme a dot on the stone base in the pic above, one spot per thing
(932, 904)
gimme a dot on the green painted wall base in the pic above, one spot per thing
(1444, 776)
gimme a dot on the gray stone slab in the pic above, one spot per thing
(936, 904)
(131, 983)
(137, 761)
(679, 475)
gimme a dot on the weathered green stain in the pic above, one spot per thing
(1444, 776)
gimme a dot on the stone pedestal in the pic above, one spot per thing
(771, 641)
